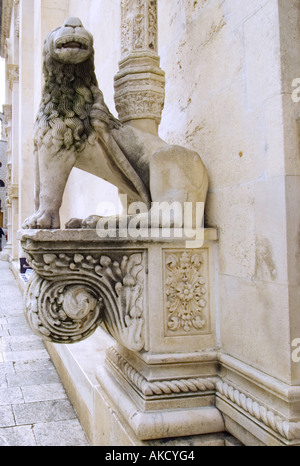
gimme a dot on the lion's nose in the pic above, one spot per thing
(73, 22)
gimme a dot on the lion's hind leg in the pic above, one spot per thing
(178, 177)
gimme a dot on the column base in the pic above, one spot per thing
(103, 407)
(257, 408)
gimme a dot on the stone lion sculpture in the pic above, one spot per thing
(74, 128)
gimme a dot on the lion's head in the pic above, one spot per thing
(71, 43)
(72, 106)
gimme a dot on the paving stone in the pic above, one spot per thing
(43, 411)
(63, 433)
(34, 407)
(25, 355)
(3, 381)
(23, 343)
(17, 437)
(33, 365)
(17, 319)
(10, 395)
(45, 392)
(32, 378)
(19, 330)
(6, 416)
(7, 368)
(17, 323)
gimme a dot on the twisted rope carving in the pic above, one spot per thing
(288, 430)
(161, 387)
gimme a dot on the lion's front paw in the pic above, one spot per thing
(42, 220)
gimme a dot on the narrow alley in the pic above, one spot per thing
(34, 407)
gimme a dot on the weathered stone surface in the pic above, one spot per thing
(86, 135)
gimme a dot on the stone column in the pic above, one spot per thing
(13, 167)
(26, 120)
(7, 251)
(139, 84)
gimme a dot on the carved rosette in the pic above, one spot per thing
(69, 295)
(140, 83)
(186, 295)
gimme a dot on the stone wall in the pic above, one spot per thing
(226, 98)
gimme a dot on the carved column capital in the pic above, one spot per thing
(138, 26)
(7, 110)
(7, 7)
(12, 74)
(139, 85)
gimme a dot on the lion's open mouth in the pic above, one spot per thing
(73, 45)
(66, 43)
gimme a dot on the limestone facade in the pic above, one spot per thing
(3, 165)
(228, 69)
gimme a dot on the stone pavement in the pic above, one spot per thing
(34, 407)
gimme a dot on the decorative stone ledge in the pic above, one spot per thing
(81, 281)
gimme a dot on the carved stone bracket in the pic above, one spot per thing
(75, 289)
(81, 281)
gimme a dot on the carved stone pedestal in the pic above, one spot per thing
(156, 299)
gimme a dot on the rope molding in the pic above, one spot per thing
(163, 387)
(288, 430)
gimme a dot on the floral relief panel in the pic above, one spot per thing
(186, 292)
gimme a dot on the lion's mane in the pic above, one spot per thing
(72, 106)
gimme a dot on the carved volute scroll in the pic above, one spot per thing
(139, 85)
(70, 294)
